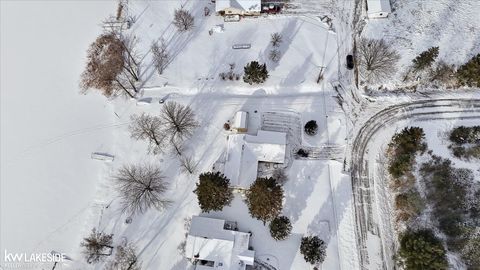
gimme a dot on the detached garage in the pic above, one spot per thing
(378, 8)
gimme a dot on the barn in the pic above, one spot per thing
(378, 8)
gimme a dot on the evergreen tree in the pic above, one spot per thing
(255, 73)
(264, 199)
(313, 249)
(213, 191)
(280, 228)
(405, 145)
(469, 73)
(422, 250)
(425, 59)
(311, 127)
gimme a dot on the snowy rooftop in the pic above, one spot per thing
(245, 151)
(240, 121)
(377, 6)
(208, 240)
(247, 5)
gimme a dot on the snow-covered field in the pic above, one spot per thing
(48, 130)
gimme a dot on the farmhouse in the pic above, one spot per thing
(216, 244)
(378, 8)
(238, 7)
(244, 151)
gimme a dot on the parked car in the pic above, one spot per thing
(350, 63)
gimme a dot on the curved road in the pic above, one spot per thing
(362, 182)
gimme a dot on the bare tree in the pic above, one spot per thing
(141, 187)
(125, 259)
(132, 58)
(97, 246)
(183, 20)
(179, 122)
(149, 128)
(377, 60)
(112, 66)
(276, 39)
(160, 56)
(105, 63)
(274, 55)
(188, 164)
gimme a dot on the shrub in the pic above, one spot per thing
(422, 250)
(276, 39)
(410, 204)
(469, 73)
(313, 249)
(213, 191)
(405, 145)
(264, 199)
(452, 194)
(274, 55)
(311, 127)
(280, 228)
(444, 73)
(255, 73)
(463, 135)
(302, 153)
(471, 252)
(425, 59)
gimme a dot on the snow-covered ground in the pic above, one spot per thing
(414, 26)
(48, 130)
(436, 120)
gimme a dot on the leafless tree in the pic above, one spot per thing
(179, 122)
(112, 66)
(188, 164)
(132, 61)
(274, 55)
(97, 246)
(276, 39)
(160, 56)
(104, 64)
(141, 187)
(125, 259)
(377, 60)
(183, 20)
(149, 128)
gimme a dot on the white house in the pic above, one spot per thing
(378, 8)
(238, 7)
(215, 244)
(244, 151)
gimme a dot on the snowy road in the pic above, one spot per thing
(369, 225)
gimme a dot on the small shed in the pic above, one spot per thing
(240, 123)
(378, 8)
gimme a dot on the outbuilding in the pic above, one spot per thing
(238, 7)
(378, 8)
(240, 122)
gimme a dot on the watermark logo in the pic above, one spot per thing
(18, 260)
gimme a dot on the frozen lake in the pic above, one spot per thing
(48, 129)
